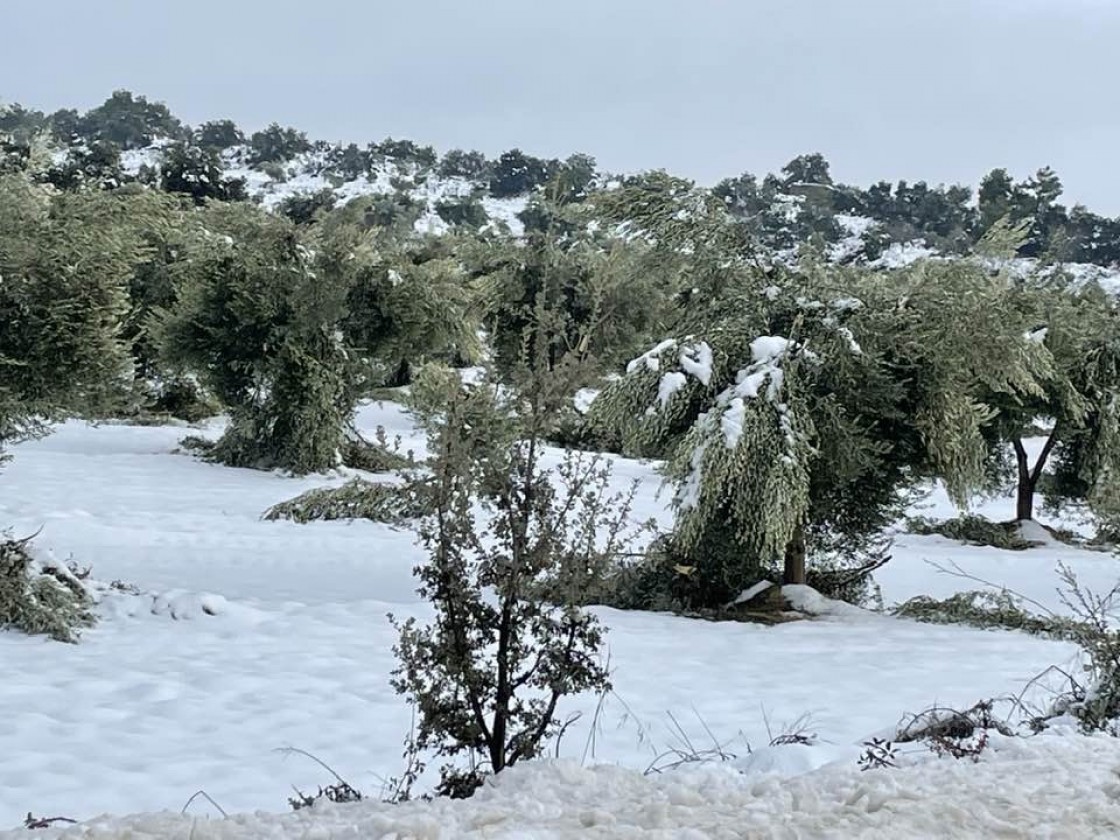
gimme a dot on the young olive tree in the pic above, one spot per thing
(65, 262)
(511, 545)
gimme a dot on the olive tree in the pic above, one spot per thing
(1078, 326)
(257, 318)
(796, 405)
(65, 265)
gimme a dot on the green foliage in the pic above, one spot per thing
(257, 319)
(41, 597)
(1033, 202)
(486, 676)
(941, 216)
(393, 215)
(596, 297)
(974, 530)
(21, 125)
(987, 610)
(470, 165)
(1087, 459)
(466, 212)
(65, 260)
(796, 406)
(357, 499)
(405, 152)
(807, 169)
(276, 144)
(197, 171)
(15, 155)
(349, 162)
(128, 122)
(380, 456)
(93, 165)
(409, 302)
(218, 135)
(64, 125)
(1076, 328)
(516, 173)
(308, 208)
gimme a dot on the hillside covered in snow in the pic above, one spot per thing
(403, 183)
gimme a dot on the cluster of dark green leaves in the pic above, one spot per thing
(487, 674)
(65, 262)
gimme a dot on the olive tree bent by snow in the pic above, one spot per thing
(257, 320)
(795, 407)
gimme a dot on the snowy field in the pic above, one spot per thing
(254, 636)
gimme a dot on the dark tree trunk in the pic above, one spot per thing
(1024, 495)
(795, 558)
(1028, 476)
(401, 376)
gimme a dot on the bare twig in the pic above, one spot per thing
(955, 570)
(286, 751)
(208, 798)
(33, 822)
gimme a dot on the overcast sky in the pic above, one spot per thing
(940, 90)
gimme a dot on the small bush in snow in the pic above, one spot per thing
(487, 674)
(878, 753)
(357, 499)
(1093, 698)
(950, 732)
(975, 530)
(41, 596)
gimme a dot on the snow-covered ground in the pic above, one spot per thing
(305, 175)
(163, 698)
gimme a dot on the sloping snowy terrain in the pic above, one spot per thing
(306, 174)
(309, 173)
(252, 636)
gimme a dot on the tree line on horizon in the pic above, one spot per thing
(801, 203)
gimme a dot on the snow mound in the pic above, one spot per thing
(1034, 532)
(1056, 787)
(176, 604)
(809, 601)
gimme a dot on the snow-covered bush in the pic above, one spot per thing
(975, 530)
(357, 499)
(39, 595)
